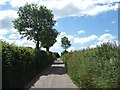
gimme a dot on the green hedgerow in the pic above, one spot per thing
(21, 64)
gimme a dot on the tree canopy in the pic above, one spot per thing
(65, 43)
(48, 38)
(36, 23)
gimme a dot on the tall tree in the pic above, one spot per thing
(32, 20)
(48, 38)
(65, 43)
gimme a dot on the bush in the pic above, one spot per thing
(21, 64)
(94, 68)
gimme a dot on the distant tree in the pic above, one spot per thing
(65, 43)
(56, 54)
(62, 53)
(48, 38)
(32, 20)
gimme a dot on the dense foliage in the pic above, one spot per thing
(48, 38)
(21, 64)
(36, 23)
(94, 68)
(65, 43)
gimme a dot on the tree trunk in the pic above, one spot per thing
(47, 49)
(37, 45)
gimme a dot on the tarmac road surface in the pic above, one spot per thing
(54, 76)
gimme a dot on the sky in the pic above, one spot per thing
(86, 23)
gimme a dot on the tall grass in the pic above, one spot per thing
(94, 68)
(21, 64)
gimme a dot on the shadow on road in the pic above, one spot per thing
(54, 70)
(57, 69)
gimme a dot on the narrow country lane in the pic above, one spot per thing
(54, 76)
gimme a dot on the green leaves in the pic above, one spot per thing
(21, 64)
(65, 43)
(48, 38)
(33, 21)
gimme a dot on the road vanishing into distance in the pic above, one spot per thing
(54, 76)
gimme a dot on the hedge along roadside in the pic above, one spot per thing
(21, 64)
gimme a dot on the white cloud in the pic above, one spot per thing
(8, 13)
(18, 42)
(106, 30)
(110, 40)
(76, 40)
(65, 8)
(57, 46)
(101, 42)
(71, 49)
(81, 31)
(23, 42)
(14, 31)
(96, 9)
(117, 42)
(14, 36)
(102, 39)
(61, 8)
(2, 2)
(106, 37)
(93, 46)
(113, 22)
(82, 47)
(3, 38)
(62, 34)
(6, 18)
(85, 39)
(86, 7)
(3, 31)
(15, 3)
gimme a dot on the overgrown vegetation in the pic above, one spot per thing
(21, 64)
(94, 68)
